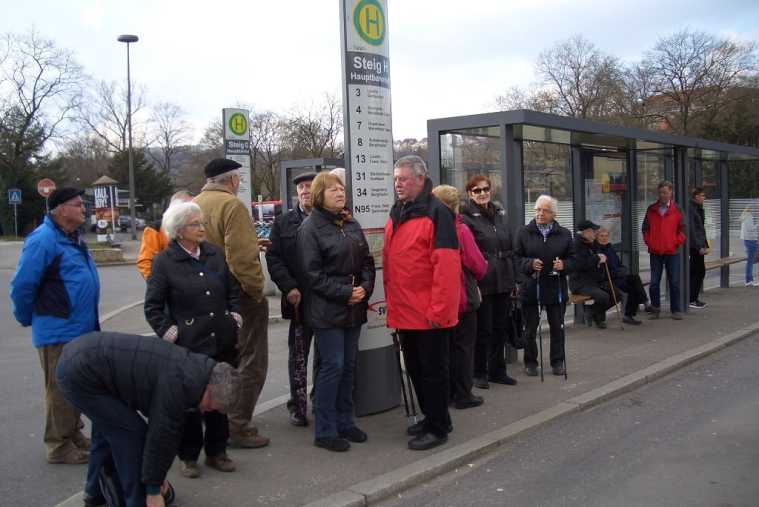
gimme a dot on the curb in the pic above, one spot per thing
(383, 486)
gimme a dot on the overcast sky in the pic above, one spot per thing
(447, 57)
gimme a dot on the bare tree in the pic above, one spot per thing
(267, 133)
(105, 114)
(581, 78)
(315, 131)
(538, 98)
(169, 131)
(691, 72)
(40, 88)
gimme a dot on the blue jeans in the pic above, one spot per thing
(117, 430)
(337, 349)
(750, 245)
(670, 263)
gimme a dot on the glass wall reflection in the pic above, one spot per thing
(547, 169)
(743, 205)
(468, 152)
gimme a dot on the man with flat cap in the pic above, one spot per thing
(230, 227)
(589, 277)
(281, 259)
(56, 290)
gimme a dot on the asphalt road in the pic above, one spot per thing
(688, 439)
(26, 479)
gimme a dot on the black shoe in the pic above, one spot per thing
(629, 319)
(697, 304)
(601, 324)
(94, 501)
(651, 309)
(415, 429)
(558, 370)
(531, 371)
(335, 444)
(481, 383)
(353, 435)
(426, 441)
(470, 402)
(503, 379)
(298, 420)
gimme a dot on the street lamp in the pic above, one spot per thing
(129, 39)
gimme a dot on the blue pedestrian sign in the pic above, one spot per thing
(14, 196)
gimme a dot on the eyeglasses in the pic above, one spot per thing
(79, 204)
(480, 190)
(197, 225)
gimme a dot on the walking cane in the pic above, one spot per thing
(614, 296)
(563, 335)
(540, 331)
(411, 417)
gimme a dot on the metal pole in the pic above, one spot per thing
(131, 156)
(15, 219)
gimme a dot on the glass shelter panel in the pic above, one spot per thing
(743, 192)
(548, 170)
(468, 152)
(605, 188)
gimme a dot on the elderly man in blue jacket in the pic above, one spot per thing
(56, 290)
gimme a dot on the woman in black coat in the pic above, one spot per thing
(336, 271)
(491, 232)
(192, 300)
(544, 253)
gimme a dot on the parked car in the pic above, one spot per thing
(125, 223)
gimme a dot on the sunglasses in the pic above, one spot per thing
(480, 190)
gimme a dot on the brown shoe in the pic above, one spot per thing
(74, 456)
(190, 469)
(221, 462)
(247, 439)
(80, 441)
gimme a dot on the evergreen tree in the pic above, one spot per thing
(151, 185)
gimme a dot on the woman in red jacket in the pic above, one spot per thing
(462, 339)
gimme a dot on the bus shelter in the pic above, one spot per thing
(605, 173)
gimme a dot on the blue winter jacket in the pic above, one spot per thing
(55, 288)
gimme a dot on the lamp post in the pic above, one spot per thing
(129, 39)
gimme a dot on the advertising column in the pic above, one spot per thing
(367, 120)
(237, 148)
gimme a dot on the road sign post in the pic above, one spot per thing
(45, 187)
(237, 148)
(14, 199)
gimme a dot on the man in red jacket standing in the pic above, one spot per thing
(421, 268)
(664, 232)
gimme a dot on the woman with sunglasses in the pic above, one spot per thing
(487, 221)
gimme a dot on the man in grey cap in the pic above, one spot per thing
(282, 262)
(56, 290)
(230, 227)
(111, 377)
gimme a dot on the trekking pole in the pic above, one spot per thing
(540, 331)
(397, 344)
(614, 296)
(563, 334)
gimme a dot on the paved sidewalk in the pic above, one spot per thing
(291, 471)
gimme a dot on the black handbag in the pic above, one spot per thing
(516, 336)
(110, 485)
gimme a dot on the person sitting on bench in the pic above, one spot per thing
(589, 277)
(627, 283)
(117, 380)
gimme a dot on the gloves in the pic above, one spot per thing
(238, 318)
(171, 334)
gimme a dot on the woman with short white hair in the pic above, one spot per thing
(544, 252)
(193, 300)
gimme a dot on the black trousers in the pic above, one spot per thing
(632, 285)
(492, 323)
(425, 353)
(602, 300)
(214, 440)
(697, 274)
(555, 315)
(461, 351)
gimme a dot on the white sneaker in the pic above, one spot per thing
(755, 284)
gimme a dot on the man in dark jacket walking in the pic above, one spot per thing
(543, 251)
(421, 269)
(281, 260)
(698, 246)
(664, 232)
(111, 377)
(589, 277)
